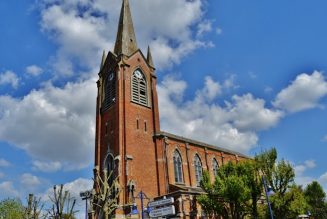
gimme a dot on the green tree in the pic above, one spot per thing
(253, 181)
(315, 197)
(230, 194)
(290, 204)
(288, 200)
(211, 203)
(11, 209)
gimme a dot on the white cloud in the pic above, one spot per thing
(249, 113)
(4, 163)
(303, 93)
(323, 178)
(2, 175)
(52, 124)
(229, 83)
(310, 163)
(9, 77)
(203, 27)
(46, 166)
(83, 34)
(29, 180)
(232, 126)
(34, 70)
(324, 138)
(219, 31)
(300, 177)
(210, 91)
(268, 90)
(7, 190)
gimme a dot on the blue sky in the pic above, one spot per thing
(245, 75)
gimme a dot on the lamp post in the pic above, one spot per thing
(268, 192)
(141, 196)
(86, 196)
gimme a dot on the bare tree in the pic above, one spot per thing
(34, 208)
(106, 192)
(63, 205)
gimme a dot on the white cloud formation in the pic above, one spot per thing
(324, 138)
(323, 179)
(231, 126)
(83, 29)
(303, 93)
(34, 70)
(203, 27)
(9, 77)
(52, 124)
(2, 175)
(249, 113)
(211, 90)
(47, 167)
(29, 181)
(219, 31)
(300, 170)
(8, 190)
(4, 163)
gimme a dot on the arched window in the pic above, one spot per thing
(198, 169)
(110, 91)
(178, 169)
(139, 88)
(215, 167)
(109, 165)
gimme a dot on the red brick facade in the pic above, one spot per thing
(128, 132)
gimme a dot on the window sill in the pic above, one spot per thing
(180, 183)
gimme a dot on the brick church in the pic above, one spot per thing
(129, 139)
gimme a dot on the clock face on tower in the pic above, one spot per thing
(138, 74)
(110, 91)
(111, 76)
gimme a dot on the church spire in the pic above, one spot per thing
(149, 58)
(103, 60)
(126, 40)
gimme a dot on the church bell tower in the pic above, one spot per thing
(127, 115)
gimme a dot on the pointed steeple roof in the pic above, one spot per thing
(126, 40)
(104, 57)
(149, 58)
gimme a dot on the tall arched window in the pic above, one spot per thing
(215, 167)
(109, 165)
(198, 169)
(110, 91)
(178, 169)
(139, 88)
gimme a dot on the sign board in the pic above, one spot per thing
(161, 202)
(165, 211)
(86, 194)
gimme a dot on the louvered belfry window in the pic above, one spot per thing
(139, 88)
(110, 91)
